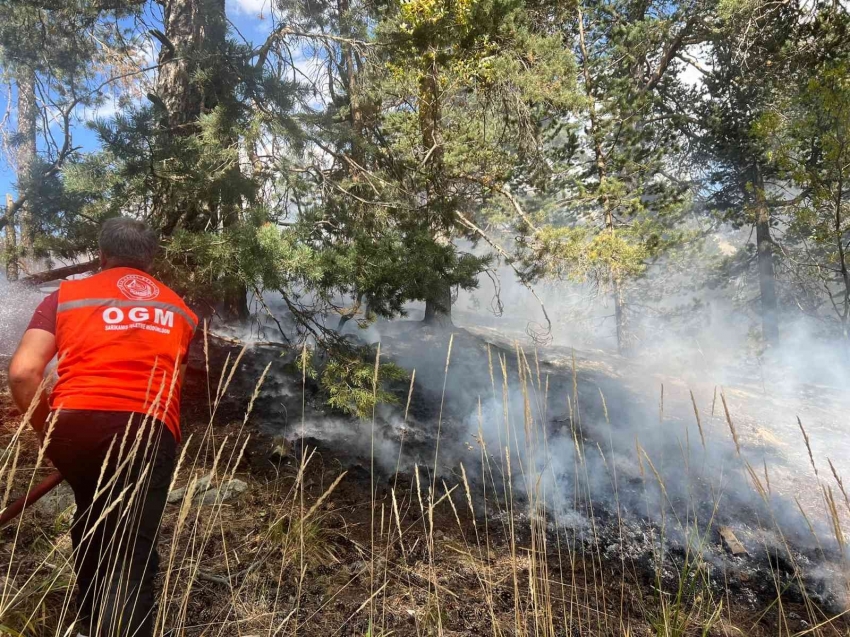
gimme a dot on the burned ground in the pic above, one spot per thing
(625, 546)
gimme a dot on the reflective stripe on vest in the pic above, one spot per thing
(74, 305)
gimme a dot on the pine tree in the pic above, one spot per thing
(175, 160)
(748, 59)
(59, 59)
(618, 204)
(806, 132)
(461, 89)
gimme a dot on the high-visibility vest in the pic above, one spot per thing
(121, 337)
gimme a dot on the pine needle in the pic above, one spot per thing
(714, 400)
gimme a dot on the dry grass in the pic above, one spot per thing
(312, 550)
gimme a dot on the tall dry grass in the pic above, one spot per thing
(527, 570)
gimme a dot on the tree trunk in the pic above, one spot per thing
(438, 309)
(842, 256)
(26, 155)
(767, 271)
(350, 70)
(430, 115)
(236, 303)
(180, 97)
(39, 278)
(195, 35)
(11, 243)
(616, 285)
(184, 34)
(607, 206)
(620, 317)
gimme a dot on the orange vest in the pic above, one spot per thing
(121, 337)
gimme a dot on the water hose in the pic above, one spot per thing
(35, 494)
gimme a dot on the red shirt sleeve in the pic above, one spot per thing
(45, 314)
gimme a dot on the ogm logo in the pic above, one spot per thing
(140, 318)
(136, 286)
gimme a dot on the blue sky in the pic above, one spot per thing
(251, 19)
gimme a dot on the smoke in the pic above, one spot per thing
(19, 303)
(689, 338)
(625, 436)
(584, 432)
(621, 439)
(608, 447)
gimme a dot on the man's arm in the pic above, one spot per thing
(26, 372)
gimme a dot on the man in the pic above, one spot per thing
(121, 339)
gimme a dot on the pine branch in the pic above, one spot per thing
(281, 32)
(499, 189)
(668, 56)
(168, 44)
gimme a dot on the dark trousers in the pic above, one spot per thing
(120, 472)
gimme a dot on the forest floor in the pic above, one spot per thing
(353, 528)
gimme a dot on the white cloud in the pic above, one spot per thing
(251, 17)
(113, 103)
(250, 7)
(108, 109)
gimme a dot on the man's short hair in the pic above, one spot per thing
(128, 243)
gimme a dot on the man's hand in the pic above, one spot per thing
(26, 372)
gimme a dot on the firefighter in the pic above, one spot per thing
(113, 419)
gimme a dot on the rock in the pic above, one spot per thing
(58, 501)
(226, 491)
(732, 543)
(207, 494)
(202, 485)
(175, 496)
(235, 487)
